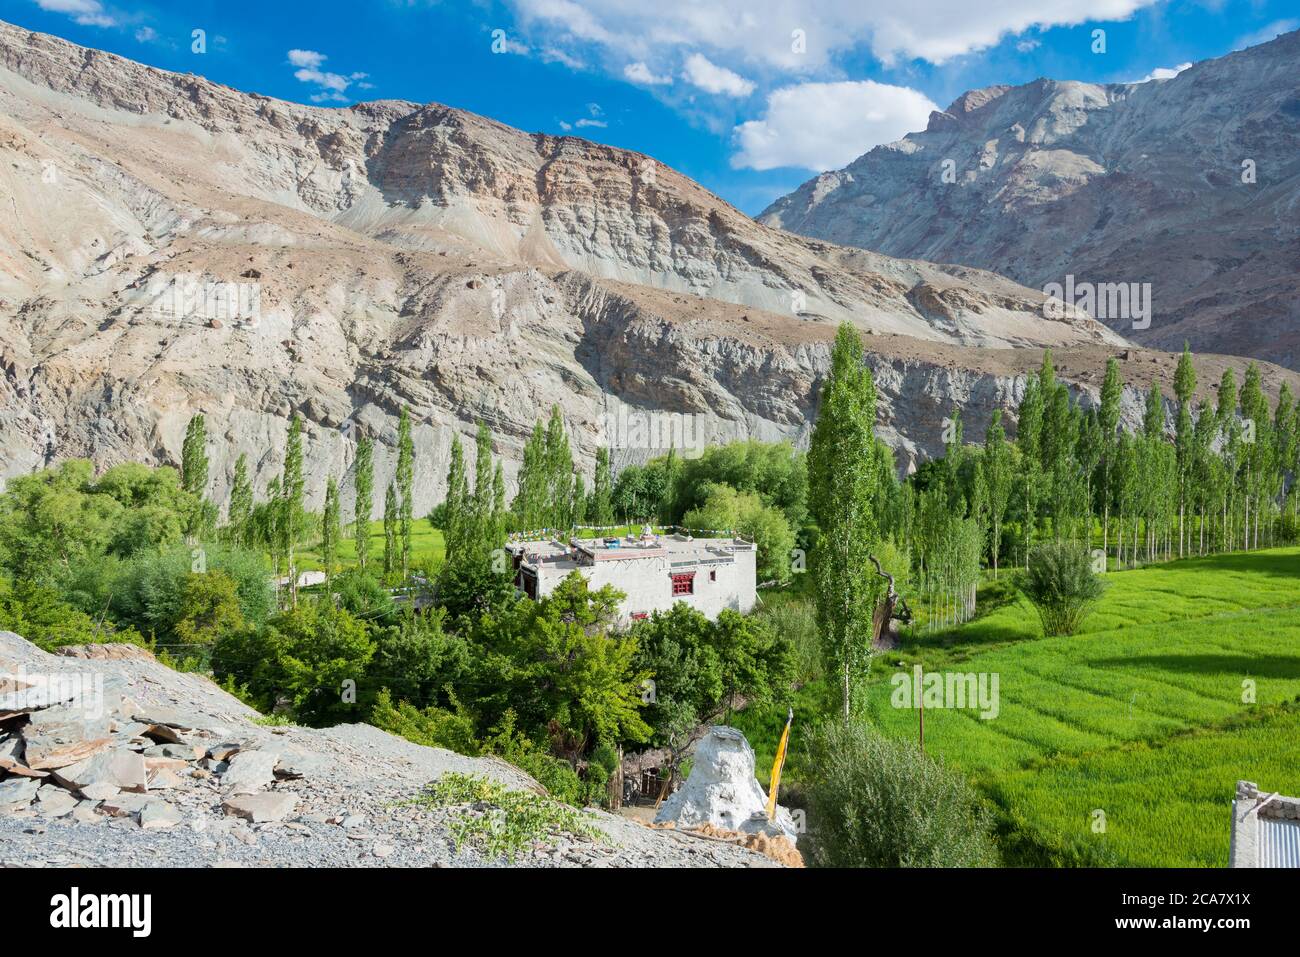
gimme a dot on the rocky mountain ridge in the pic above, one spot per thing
(172, 246)
(1191, 184)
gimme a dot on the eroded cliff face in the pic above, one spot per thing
(1190, 184)
(169, 246)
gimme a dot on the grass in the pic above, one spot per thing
(502, 821)
(1178, 686)
(426, 548)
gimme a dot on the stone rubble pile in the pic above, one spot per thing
(110, 758)
(67, 748)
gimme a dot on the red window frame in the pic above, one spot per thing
(683, 583)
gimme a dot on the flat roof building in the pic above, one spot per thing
(654, 572)
(1265, 829)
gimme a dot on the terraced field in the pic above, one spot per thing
(1122, 745)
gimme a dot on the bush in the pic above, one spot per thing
(1061, 585)
(876, 802)
(796, 621)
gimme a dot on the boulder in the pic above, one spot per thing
(723, 792)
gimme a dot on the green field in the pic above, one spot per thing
(1146, 716)
(426, 547)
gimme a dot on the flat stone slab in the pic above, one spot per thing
(171, 717)
(262, 807)
(125, 805)
(157, 815)
(249, 772)
(53, 801)
(18, 790)
(123, 769)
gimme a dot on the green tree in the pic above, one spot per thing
(363, 485)
(241, 503)
(405, 487)
(601, 510)
(842, 501)
(291, 489)
(995, 466)
(1112, 392)
(391, 559)
(331, 532)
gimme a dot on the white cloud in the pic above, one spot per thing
(556, 55)
(146, 35)
(708, 76)
(306, 58)
(1029, 44)
(821, 126)
(640, 73)
(1264, 34)
(759, 31)
(89, 13)
(1164, 73)
(332, 87)
(599, 124)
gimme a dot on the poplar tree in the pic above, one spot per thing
(241, 502)
(291, 488)
(455, 517)
(405, 479)
(995, 467)
(194, 457)
(1184, 443)
(363, 484)
(391, 558)
(842, 498)
(601, 512)
(1112, 391)
(330, 530)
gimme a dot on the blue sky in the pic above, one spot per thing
(749, 97)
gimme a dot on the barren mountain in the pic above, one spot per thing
(1191, 184)
(171, 246)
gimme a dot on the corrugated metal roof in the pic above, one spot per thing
(1279, 843)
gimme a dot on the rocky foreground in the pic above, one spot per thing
(109, 758)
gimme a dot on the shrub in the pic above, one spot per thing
(1061, 585)
(876, 802)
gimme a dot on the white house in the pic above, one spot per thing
(1265, 829)
(653, 571)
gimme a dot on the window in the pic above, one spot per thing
(684, 584)
(713, 574)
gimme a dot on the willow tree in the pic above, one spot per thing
(842, 498)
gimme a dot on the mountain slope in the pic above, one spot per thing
(394, 254)
(1138, 182)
